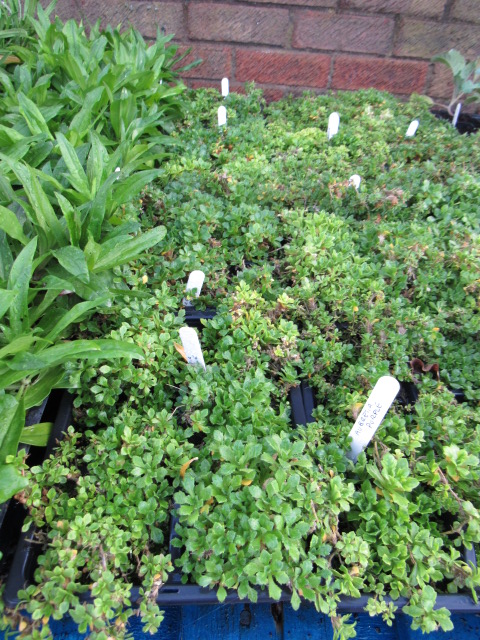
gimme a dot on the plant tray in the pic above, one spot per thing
(12, 512)
(467, 122)
(174, 593)
(194, 317)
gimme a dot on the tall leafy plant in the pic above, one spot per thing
(32, 352)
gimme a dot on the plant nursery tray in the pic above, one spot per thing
(174, 592)
(12, 512)
(467, 122)
(194, 317)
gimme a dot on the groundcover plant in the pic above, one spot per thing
(312, 280)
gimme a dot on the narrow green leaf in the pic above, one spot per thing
(19, 281)
(6, 299)
(72, 217)
(97, 162)
(8, 408)
(73, 260)
(14, 426)
(128, 188)
(36, 434)
(45, 216)
(33, 116)
(22, 343)
(121, 250)
(76, 175)
(47, 380)
(76, 349)
(11, 225)
(74, 315)
(83, 120)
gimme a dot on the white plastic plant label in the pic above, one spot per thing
(333, 125)
(456, 114)
(194, 283)
(222, 116)
(412, 129)
(355, 181)
(225, 87)
(372, 414)
(191, 346)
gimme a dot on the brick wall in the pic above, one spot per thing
(287, 46)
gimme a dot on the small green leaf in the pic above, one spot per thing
(11, 481)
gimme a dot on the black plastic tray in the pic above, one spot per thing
(174, 593)
(194, 317)
(17, 543)
(12, 512)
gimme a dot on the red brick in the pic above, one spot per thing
(347, 32)
(468, 10)
(424, 39)
(217, 62)
(441, 84)
(398, 76)
(274, 67)
(301, 3)
(222, 22)
(272, 95)
(235, 87)
(426, 8)
(145, 16)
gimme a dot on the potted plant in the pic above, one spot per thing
(466, 89)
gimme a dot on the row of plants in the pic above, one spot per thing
(311, 280)
(84, 123)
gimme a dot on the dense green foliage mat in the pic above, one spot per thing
(312, 281)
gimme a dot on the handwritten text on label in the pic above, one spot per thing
(372, 414)
(191, 346)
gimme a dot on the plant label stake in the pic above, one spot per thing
(456, 114)
(333, 124)
(355, 181)
(372, 414)
(222, 116)
(225, 87)
(412, 129)
(195, 282)
(191, 346)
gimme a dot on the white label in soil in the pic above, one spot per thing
(333, 124)
(456, 114)
(222, 116)
(355, 181)
(372, 414)
(225, 87)
(195, 283)
(412, 129)
(191, 346)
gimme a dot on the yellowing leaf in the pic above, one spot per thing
(246, 483)
(355, 409)
(185, 466)
(180, 350)
(206, 506)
